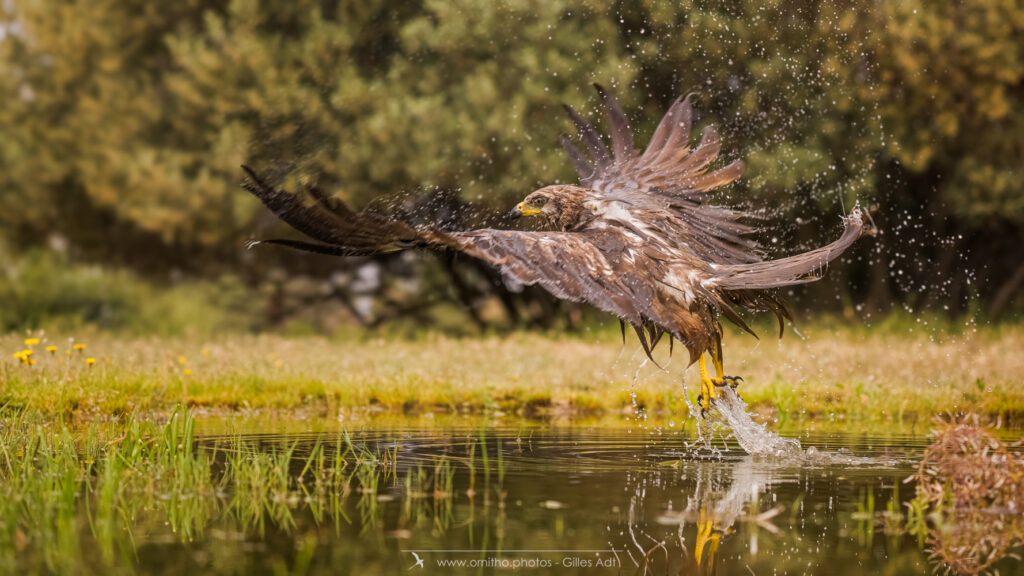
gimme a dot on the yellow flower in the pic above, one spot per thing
(90, 361)
(30, 362)
(182, 360)
(51, 349)
(31, 341)
(27, 353)
(79, 347)
(187, 372)
(204, 352)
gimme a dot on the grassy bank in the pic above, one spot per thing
(828, 375)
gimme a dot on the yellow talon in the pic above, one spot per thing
(708, 394)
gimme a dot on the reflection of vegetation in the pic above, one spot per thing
(130, 494)
(969, 490)
(966, 510)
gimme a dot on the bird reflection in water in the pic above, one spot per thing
(724, 495)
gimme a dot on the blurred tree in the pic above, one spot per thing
(912, 107)
(89, 153)
(124, 123)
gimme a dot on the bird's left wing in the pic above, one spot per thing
(599, 267)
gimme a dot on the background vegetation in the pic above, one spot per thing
(124, 124)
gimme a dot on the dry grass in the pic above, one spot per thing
(969, 486)
(841, 375)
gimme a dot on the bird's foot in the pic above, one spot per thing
(705, 401)
(704, 405)
(730, 381)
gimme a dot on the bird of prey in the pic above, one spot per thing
(637, 238)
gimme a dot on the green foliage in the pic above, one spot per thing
(124, 125)
(49, 291)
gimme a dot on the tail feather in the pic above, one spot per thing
(798, 269)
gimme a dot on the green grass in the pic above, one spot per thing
(831, 376)
(65, 490)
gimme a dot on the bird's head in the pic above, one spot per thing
(560, 205)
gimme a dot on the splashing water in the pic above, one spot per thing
(729, 411)
(754, 438)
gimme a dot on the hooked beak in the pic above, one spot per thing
(522, 209)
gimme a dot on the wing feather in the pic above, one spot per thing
(678, 116)
(668, 176)
(622, 134)
(329, 221)
(591, 140)
(579, 161)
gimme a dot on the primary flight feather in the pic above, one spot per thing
(637, 238)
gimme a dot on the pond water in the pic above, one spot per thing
(541, 500)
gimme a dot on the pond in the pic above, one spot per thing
(530, 498)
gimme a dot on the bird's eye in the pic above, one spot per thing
(539, 200)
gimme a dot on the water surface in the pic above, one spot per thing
(549, 500)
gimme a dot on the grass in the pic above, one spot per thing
(965, 511)
(67, 492)
(830, 376)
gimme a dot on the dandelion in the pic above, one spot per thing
(79, 347)
(51, 349)
(31, 341)
(90, 361)
(182, 360)
(187, 372)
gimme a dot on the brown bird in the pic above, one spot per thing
(637, 238)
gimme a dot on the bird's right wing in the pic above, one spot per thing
(667, 175)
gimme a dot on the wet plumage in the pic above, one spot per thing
(637, 238)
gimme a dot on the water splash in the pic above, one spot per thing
(729, 416)
(754, 438)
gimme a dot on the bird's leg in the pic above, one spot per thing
(716, 359)
(707, 387)
(706, 534)
(721, 379)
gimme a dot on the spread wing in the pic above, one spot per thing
(602, 267)
(668, 176)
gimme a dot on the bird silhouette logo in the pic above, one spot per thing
(419, 561)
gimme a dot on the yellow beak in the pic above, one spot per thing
(522, 209)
